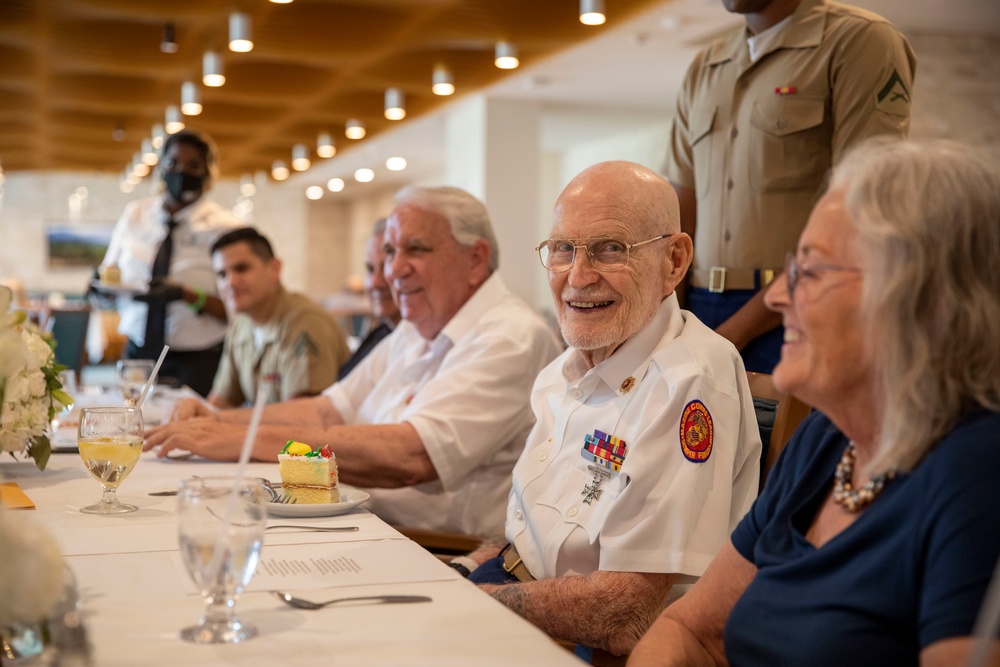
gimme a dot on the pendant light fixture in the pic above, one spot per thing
(173, 123)
(300, 157)
(190, 99)
(324, 145)
(168, 44)
(212, 74)
(240, 33)
(394, 106)
(279, 171)
(442, 83)
(505, 56)
(354, 129)
(592, 12)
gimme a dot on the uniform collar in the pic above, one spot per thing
(282, 305)
(632, 359)
(804, 31)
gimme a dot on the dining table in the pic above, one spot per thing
(135, 594)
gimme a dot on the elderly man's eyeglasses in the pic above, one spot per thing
(604, 254)
(794, 272)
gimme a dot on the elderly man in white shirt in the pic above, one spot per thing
(645, 452)
(432, 421)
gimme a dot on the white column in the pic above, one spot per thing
(493, 151)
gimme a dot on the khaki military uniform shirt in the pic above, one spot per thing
(302, 350)
(755, 140)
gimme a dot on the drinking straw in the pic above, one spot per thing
(234, 496)
(152, 377)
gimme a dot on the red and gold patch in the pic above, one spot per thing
(696, 432)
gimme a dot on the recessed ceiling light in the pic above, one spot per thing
(314, 192)
(395, 164)
(364, 175)
(335, 184)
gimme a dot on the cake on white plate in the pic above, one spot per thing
(307, 476)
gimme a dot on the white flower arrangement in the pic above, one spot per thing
(30, 390)
(31, 579)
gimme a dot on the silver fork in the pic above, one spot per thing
(284, 499)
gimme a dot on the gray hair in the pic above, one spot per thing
(928, 222)
(465, 214)
(379, 228)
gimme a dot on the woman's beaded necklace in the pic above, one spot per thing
(844, 493)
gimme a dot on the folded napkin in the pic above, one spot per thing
(13, 497)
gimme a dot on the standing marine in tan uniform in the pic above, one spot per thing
(763, 114)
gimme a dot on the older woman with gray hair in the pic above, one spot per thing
(879, 528)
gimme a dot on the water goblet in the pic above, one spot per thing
(220, 532)
(110, 442)
(131, 376)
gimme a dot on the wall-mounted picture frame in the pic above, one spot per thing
(75, 246)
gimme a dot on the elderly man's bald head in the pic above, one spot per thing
(615, 252)
(639, 194)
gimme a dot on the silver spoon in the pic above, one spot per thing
(299, 603)
(327, 529)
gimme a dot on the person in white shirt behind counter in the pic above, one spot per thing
(645, 453)
(433, 419)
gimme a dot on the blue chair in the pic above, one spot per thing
(69, 329)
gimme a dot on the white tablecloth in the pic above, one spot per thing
(136, 596)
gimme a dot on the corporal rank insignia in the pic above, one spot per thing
(696, 432)
(604, 450)
(894, 96)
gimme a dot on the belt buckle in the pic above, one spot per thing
(717, 279)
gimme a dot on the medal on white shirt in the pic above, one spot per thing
(606, 454)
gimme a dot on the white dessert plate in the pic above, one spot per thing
(349, 499)
(118, 288)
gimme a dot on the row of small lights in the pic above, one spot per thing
(240, 41)
(505, 57)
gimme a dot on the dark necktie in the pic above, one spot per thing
(156, 319)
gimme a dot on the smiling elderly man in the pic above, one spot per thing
(645, 452)
(434, 418)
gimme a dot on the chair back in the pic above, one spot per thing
(778, 415)
(443, 545)
(69, 329)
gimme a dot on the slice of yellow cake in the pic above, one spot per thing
(309, 477)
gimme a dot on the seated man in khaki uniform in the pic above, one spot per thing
(285, 341)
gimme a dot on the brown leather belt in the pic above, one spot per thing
(720, 279)
(512, 564)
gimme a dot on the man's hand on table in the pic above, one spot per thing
(189, 408)
(202, 436)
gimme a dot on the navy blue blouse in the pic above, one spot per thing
(912, 569)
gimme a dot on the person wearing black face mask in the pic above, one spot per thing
(161, 247)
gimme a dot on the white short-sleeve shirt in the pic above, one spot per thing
(136, 239)
(674, 502)
(466, 394)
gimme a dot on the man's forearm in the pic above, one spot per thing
(749, 322)
(606, 610)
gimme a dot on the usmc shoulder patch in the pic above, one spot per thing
(696, 432)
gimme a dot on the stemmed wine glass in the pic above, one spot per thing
(220, 537)
(110, 441)
(131, 376)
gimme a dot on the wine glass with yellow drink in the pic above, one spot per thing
(110, 441)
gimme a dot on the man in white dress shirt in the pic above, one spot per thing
(432, 421)
(645, 452)
(183, 300)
